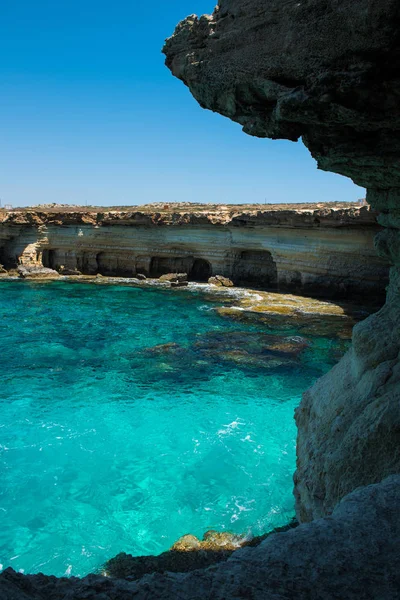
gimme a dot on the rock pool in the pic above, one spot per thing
(129, 417)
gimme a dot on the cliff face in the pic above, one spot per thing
(327, 72)
(317, 251)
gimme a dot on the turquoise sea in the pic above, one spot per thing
(130, 416)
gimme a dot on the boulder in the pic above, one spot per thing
(174, 277)
(37, 272)
(220, 281)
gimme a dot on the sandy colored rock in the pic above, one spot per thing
(174, 277)
(318, 250)
(220, 281)
(37, 272)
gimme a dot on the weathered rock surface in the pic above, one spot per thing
(355, 553)
(349, 421)
(187, 554)
(220, 280)
(174, 277)
(325, 251)
(37, 272)
(324, 71)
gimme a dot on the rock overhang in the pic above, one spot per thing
(277, 69)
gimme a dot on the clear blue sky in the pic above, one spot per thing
(89, 113)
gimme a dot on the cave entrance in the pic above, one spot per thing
(201, 270)
(49, 258)
(84, 263)
(4, 260)
(104, 266)
(161, 265)
(115, 264)
(256, 268)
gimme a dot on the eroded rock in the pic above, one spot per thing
(220, 281)
(323, 250)
(326, 72)
(37, 272)
(174, 277)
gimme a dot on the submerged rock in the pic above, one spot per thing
(285, 311)
(169, 347)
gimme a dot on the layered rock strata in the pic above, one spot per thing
(326, 72)
(324, 251)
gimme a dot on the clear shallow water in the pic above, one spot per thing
(108, 444)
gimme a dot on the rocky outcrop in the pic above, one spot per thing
(320, 251)
(220, 281)
(326, 72)
(354, 554)
(37, 272)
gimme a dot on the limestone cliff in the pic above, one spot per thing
(326, 71)
(324, 250)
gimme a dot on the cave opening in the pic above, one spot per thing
(83, 263)
(256, 268)
(201, 270)
(115, 264)
(3, 259)
(49, 258)
(161, 265)
(103, 264)
(8, 255)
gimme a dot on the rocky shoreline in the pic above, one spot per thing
(270, 309)
(324, 251)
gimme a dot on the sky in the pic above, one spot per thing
(89, 114)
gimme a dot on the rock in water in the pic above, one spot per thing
(174, 277)
(221, 281)
(37, 272)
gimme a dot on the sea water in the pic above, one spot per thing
(128, 417)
